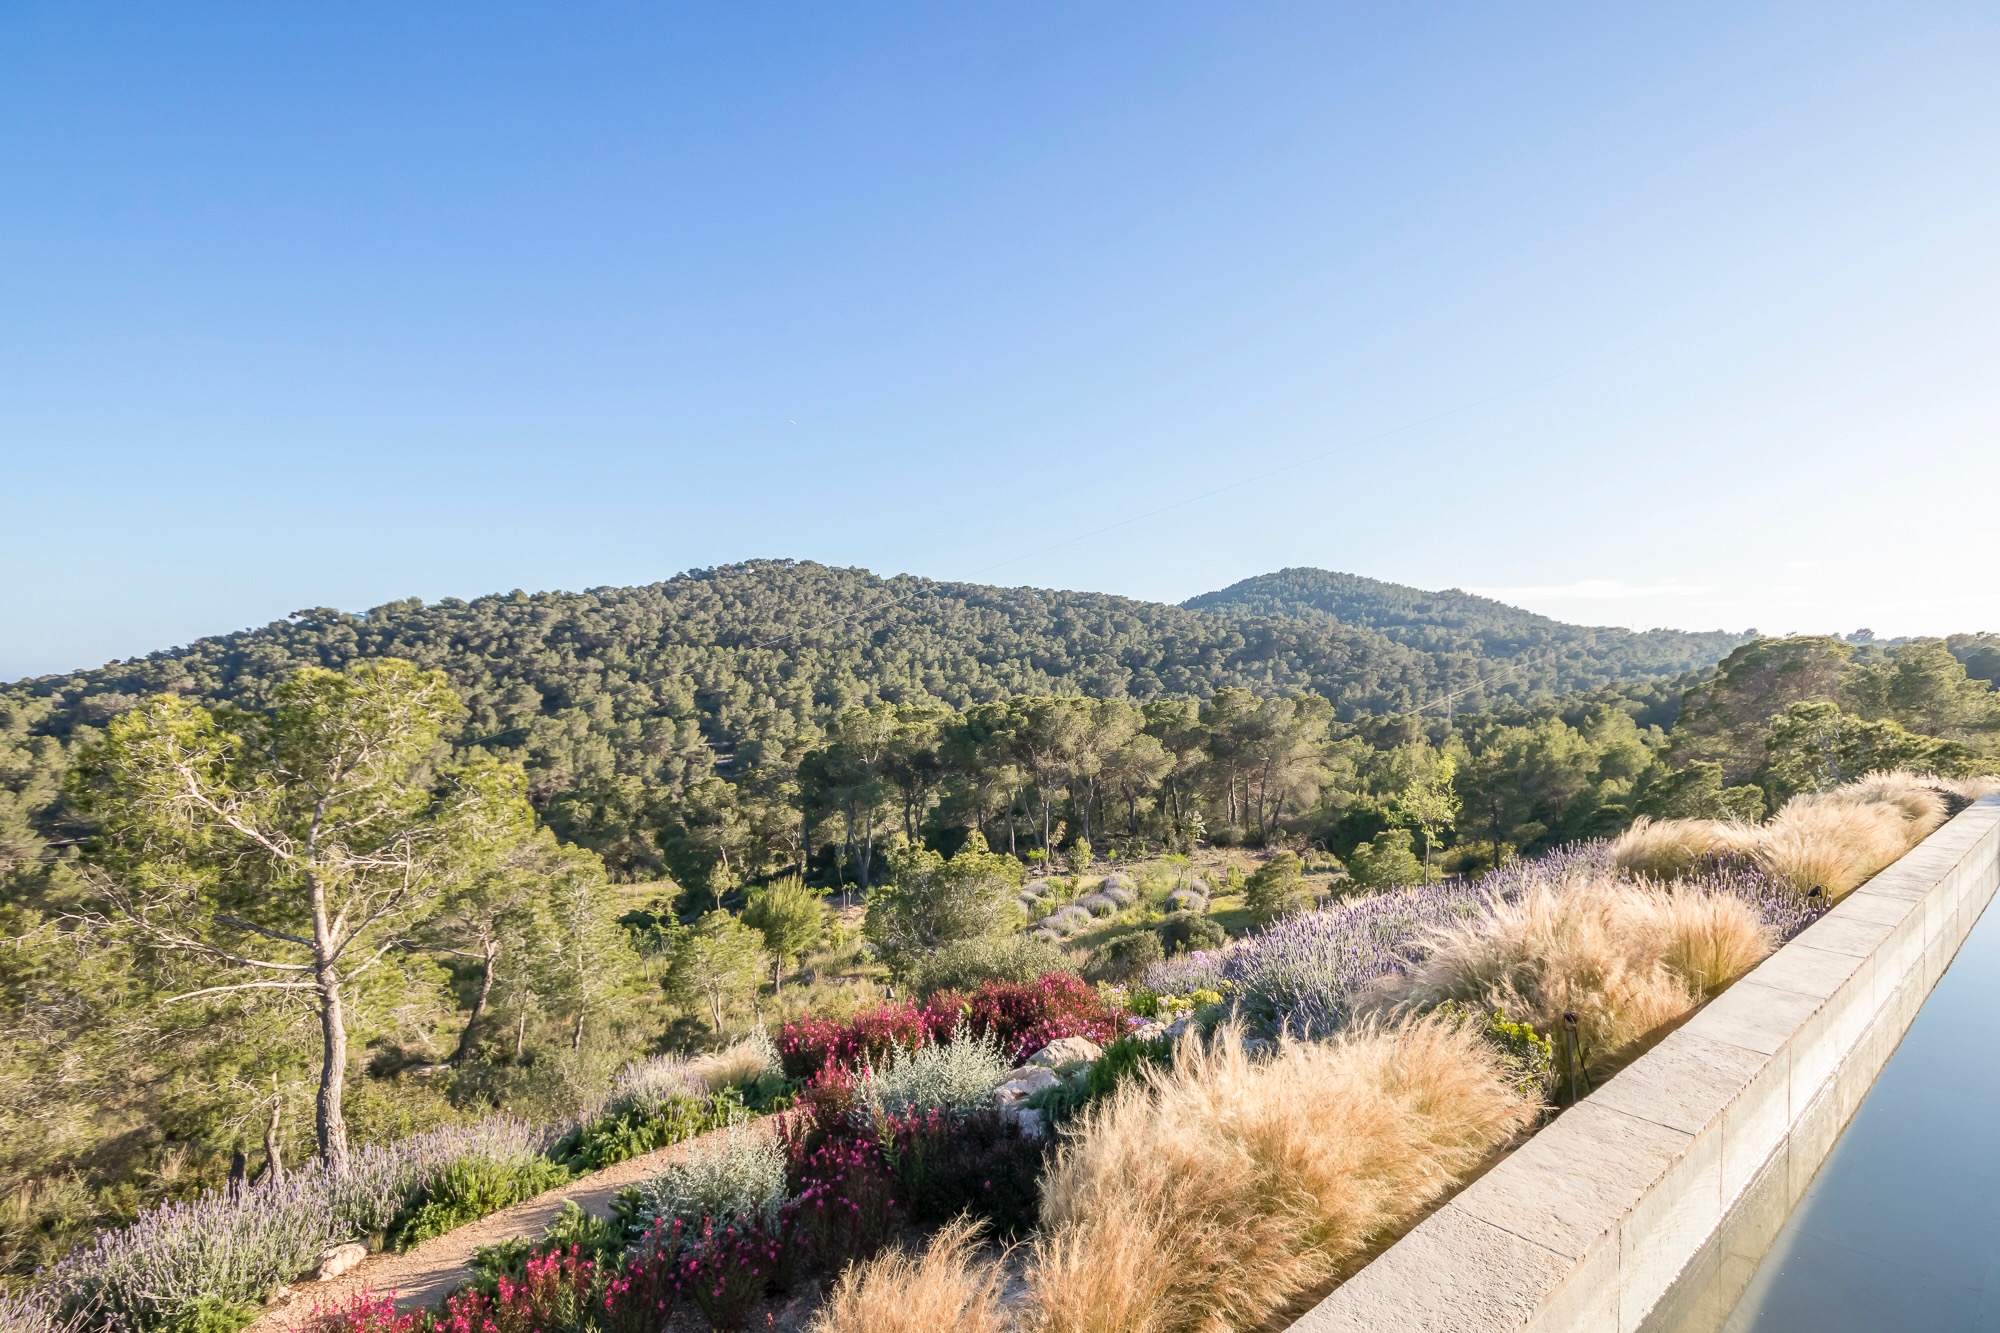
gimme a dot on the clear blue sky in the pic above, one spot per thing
(1687, 317)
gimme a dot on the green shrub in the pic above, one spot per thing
(574, 1227)
(1528, 1053)
(1123, 1059)
(1187, 931)
(490, 1263)
(1386, 861)
(468, 1191)
(1125, 958)
(1277, 888)
(963, 964)
(598, 1239)
(212, 1314)
(645, 1128)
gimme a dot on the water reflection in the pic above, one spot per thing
(1901, 1227)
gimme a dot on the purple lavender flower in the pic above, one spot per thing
(1304, 971)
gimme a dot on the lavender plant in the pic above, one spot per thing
(1305, 970)
(1301, 973)
(647, 1086)
(234, 1246)
(29, 1312)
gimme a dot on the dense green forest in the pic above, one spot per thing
(724, 730)
(618, 700)
(1459, 623)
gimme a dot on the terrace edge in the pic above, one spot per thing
(1594, 1220)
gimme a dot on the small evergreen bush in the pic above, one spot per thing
(1277, 888)
(1189, 932)
(964, 964)
(1125, 958)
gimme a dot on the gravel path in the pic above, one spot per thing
(426, 1274)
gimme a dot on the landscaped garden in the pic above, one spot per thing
(1213, 1142)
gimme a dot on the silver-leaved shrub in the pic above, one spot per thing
(736, 1177)
(955, 1076)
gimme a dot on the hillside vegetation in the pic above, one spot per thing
(957, 768)
(1546, 652)
(618, 700)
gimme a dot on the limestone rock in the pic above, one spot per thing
(1030, 1121)
(1067, 1051)
(1023, 1084)
(340, 1259)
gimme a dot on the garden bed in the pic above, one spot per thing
(1226, 1141)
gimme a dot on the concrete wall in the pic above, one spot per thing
(1587, 1227)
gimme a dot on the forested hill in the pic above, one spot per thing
(714, 667)
(1456, 622)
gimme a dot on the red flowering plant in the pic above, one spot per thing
(807, 1044)
(727, 1269)
(366, 1312)
(946, 1163)
(846, 1203)
(1025, 1016)
(646, 1289)
(555, 1296)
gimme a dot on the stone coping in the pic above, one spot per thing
(1589, 1224)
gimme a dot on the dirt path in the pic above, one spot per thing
(426, 1274)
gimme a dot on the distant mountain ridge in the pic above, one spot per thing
(1454, 621)
(655, 685)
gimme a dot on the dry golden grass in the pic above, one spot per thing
(739, 1063)
(950, 1288)
(1709, 940)
(1626, 960)
(1833, 841)
(1226, 1192)
(1671, 848)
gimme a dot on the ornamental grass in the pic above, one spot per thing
(1625, 960)
(1224, 1192)
(1832, 841)
(950, 1288)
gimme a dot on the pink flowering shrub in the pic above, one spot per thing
(643, 1294)
(557, 1295)
(946, 1164)
(1027, 1015)
(846, 1202)
(808, 1044)
(1023, 1015)
(366, 1312)
(728, 1268)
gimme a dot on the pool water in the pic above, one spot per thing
(1901, 1227)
